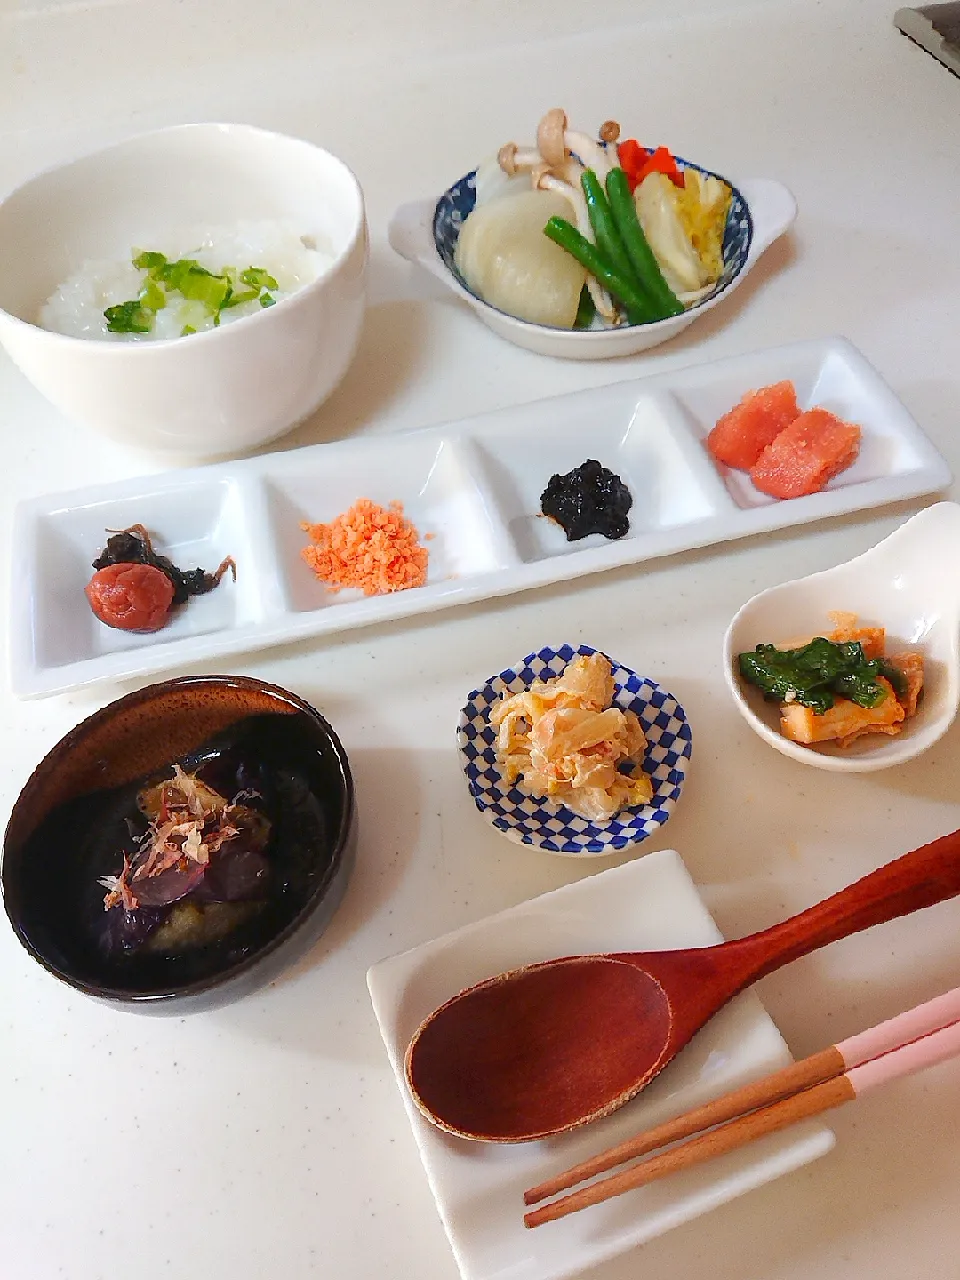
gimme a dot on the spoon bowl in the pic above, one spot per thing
(543, 1049)
(595, 992)
(906, 584)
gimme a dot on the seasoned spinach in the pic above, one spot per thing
(819, 672)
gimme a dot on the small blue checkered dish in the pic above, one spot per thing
(550, 826)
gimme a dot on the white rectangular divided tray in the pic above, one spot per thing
(474, 485)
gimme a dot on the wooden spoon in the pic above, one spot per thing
(552, 1046)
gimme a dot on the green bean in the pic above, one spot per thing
(563, 233)
(586, 310)
(605, 231)
(641, 255)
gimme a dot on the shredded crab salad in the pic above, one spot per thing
(562, 739)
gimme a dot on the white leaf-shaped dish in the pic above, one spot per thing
(905, 584)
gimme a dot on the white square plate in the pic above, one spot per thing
(648, 904)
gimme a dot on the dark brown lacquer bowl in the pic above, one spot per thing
(71, 824)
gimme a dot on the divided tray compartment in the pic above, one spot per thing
(471, 487)
(634, 433)
(831, 376)
(196, 521)
(427, 472)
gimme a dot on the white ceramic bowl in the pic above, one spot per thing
(425, 232)
(217, 392)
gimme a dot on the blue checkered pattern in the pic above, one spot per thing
(550, 825)
(456, 204)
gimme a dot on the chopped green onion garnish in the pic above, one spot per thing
(257, 278)
(152, 296)
(194, 314)
(149, 260)
(207, 292)
(128, 317)
(236, 299)
(172, 273)
(200, 286)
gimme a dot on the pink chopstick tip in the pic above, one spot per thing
(916, 1056)
(905, 1027)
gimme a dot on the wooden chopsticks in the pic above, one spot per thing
(918, 1038)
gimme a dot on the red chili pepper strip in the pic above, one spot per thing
(661, 161)
(632, 156)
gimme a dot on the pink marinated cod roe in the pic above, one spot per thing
(371, 547)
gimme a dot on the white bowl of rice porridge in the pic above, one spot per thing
(196, 290)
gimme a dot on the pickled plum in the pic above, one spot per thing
(130, 597)
(134, 588)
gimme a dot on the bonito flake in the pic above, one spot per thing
(562, 739)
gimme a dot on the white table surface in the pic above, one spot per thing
(268, 1139)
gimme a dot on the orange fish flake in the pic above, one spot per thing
(374, 548)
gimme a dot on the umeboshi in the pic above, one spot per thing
(131, 597)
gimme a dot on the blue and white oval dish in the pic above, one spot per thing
(426, 232)
(546, 824)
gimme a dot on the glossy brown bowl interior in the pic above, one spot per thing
(51, 862)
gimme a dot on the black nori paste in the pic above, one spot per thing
(589, 499)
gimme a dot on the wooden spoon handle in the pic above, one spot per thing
(919, 879)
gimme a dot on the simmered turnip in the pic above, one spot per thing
(505, 258)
